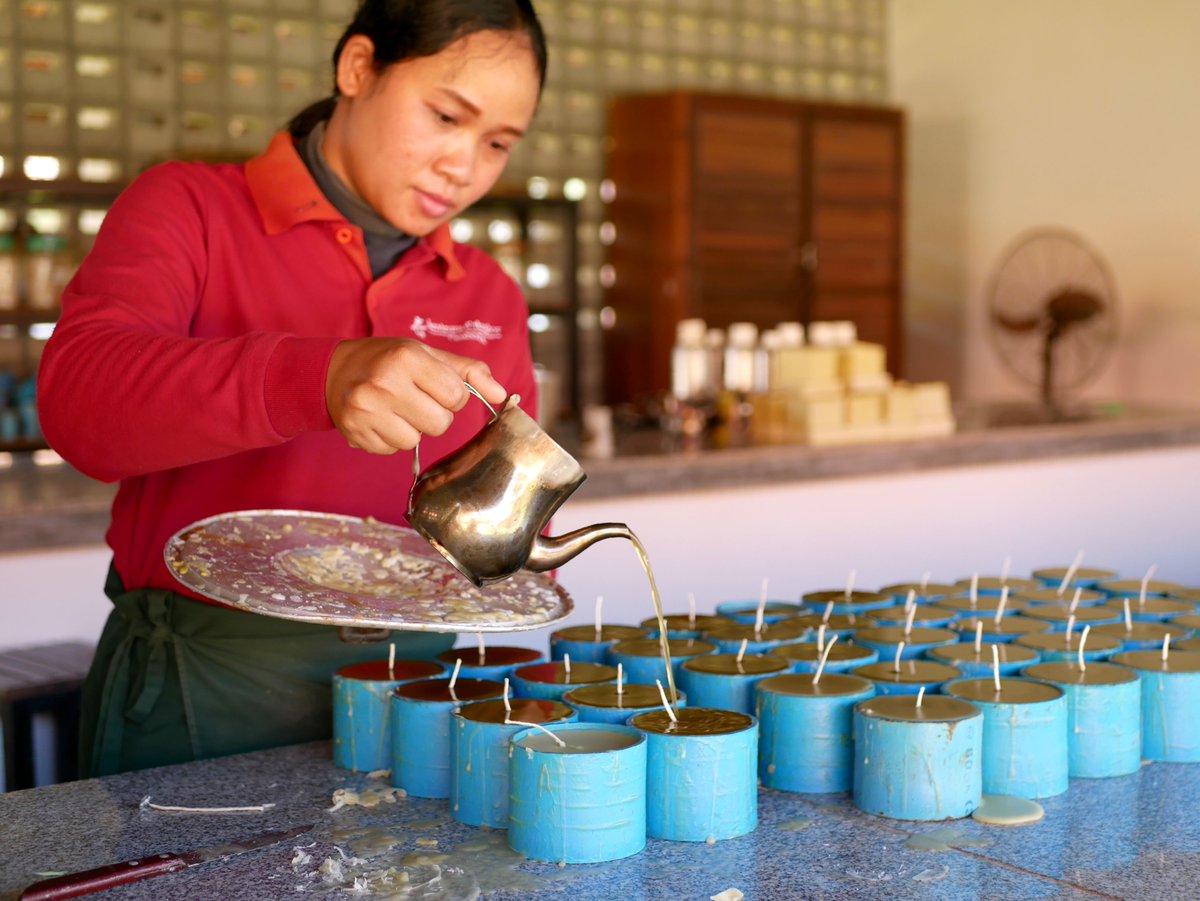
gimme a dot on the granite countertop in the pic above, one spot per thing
(1134, 837)
(56, 506)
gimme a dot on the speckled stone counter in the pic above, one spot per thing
(1135, 837)
(55, 506)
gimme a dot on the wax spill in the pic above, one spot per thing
(1004, 810)
(944, 840)
(932, 875)
(795, 825)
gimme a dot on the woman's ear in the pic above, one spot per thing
(356, 65)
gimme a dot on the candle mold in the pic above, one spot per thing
(887, 639)
(584, 644)
(1139, 635)
(602, 703)
(927, 593)
(746, 612)
(1061, 646)
(1134, 588)
(993, 586)
(550, 681)
(1170, 699)
(1080, 576)
(970, 662)
(723, 682)
(843, 656)
(1057, 615)
(361, 714)
(643, 661)
(681, 625)
(909, 677)
(1009, 628)
(927, 616)
(847, 602)
(495, 663)
(1152, 609)
(728, 638)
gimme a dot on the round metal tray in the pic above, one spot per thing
(350, 572)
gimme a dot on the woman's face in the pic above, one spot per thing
(423, 139)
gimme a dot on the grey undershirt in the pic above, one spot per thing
(385, 243)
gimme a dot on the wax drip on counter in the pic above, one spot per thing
(1004, 810)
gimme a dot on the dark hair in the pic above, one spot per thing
(409, 29)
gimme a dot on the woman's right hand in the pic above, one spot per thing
(383, 394)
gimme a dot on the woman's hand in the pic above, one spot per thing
(383, 394)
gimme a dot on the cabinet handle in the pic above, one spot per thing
(808, 256)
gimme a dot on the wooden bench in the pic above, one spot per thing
(35, 681)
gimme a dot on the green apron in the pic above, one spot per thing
(175, 680)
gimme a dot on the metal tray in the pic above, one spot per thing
(350, 572)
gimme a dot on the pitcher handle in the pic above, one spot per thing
(416, 466)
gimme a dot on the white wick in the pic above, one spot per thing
(1082, 642)
(924, 581)
(824, 658)
(567, 667)
(1004, 569)
(666, 704)
(908, 619)
(821, 638)
(1146, 584)
(1128, 615)
(974, 589)
(482, 650)
(996, 667)
(1003, 603)
(1070, 628)
(1070, 573)
(1075, 600)
(691, 610)
(392, 660)
(762, 608)
(920, 695)
(454, 678)
(620, 679)
(899, 653)
(1166, 646)
(849, 585)
(507, 706)
(828, 612)
(911, 600)
(508, 722)
(599, 607)
(978, 637)
(742, 653)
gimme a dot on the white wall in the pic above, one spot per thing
(1125, 511)
(1076, 113)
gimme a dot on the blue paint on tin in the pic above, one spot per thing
(746, 612)
(858, 602)
(886, 640)
(635, 699)
(582, 644)
(643, 662)
(918, 770)
(582, 807)
(1025, 747)
(931, 617)
(807, 732)
(361, 714)
(913, 675)
(1170, 702)
(1013, 658)
(724, 690)
(535, 680)
(845, 656)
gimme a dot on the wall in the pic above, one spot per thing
(1125, 511)
(1052, 112)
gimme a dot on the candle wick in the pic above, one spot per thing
(1070, 573)
(899, 653)
(996, 667)
(567, 667)
(978, 637)
(920, 695)
(599, 607)
(850, 585)
(482, 650)
(508, 722)
(507, 706)
(974, 590)
(828, 611)
(1128, 616)
(824, 657)
(666, 704)
(691, 610)
(1166, 646)
(620, 679)
(1082, 642)
(454, 678)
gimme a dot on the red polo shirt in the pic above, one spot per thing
(189, 362)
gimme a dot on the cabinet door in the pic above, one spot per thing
(852, 256)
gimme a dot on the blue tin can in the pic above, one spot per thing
(719, 682)
(362, 733)
(1188, 644)
(1059, 646)
(983, 606)
(746, 612)
(603, 704)
(807, 730)
(1140, 636)
(929, 616)
(1024, 735)
(1132, 588)
(643, 661)
(843, 656)
(1010, 628)
(918, 763)
(1170, 700)
(550, 681)
(420, 758)
(853, 602)
(843, 625)
(1104, 716)
(479, 741)
(1192, 595)
(496, 663)
(1152, 610)
(728, 638)
(1083, 577)
(1012, 657)
(909, 677)
(583, 643)
(585, 803)
(682, 625)
(701, 774)
(1058, 615)
(887, 639)
(927, 593)
(1088, 597)
(993, 586)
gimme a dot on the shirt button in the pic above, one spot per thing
(345, 236)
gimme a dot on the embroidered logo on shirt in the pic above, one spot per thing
(471, 330)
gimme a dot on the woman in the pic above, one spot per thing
(281, 334)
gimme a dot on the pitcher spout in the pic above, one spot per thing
(551, 553)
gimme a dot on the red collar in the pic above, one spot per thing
(285, 194)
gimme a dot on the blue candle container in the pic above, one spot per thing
(718, 682)
(1088, 597)
(918, 763)
(701, 774)
(602, 703)
(1191, 595)
(929, 593)
(1152, 610)
(550, 681)
(844, 656)
(1083, 577)
(361, 714)
(1024, 735)
(993, 586)
(1009, 629)
(582, 643)
(420, 745)
(1170, 701)
(1059, 646)
(1012, 658)
(1104, 716)
(479, 744)
(984, 606)
(496, 664)
(886, 639)
(854, 602)
(843, 625)
(585, 803)
(925, 617)
(1141, 636)
(1132, 588)
(1058, 615)
(1187, 644)
(909, 678)
(643, 662)
(1189, 621)
(806, 731)
(746, 612)
(727, 639)
(680, 625)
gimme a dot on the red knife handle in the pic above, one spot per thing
(73, 885)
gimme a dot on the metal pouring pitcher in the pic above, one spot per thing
(484, 507)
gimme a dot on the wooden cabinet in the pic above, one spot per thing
(748, 209)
